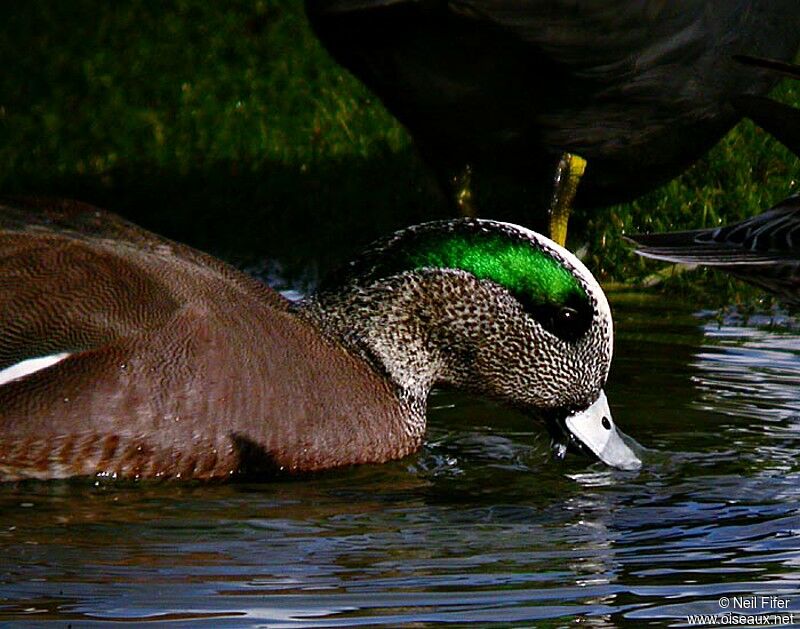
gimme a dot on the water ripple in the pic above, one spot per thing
(481, 526)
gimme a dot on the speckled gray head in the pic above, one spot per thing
(489, 307)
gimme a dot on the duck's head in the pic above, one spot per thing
(489, 307)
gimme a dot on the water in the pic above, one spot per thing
(481, 526)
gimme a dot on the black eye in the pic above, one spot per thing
(568, 322)
(606, 423)
(567, 315)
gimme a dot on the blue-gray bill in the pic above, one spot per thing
(595, 429)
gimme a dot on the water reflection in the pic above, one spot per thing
(480, 526)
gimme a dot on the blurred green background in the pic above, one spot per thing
(227, 126)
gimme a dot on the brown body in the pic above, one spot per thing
(180, 365)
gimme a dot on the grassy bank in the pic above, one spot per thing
(228, 126)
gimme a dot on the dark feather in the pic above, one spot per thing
(507, 86)
(791, 70)
(779, 120)
(763, 250)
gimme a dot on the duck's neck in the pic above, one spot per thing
(392, 327)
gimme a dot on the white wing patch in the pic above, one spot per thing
(29, 366)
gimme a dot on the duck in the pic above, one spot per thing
(763, 250)
(540, 95)
(127, 355)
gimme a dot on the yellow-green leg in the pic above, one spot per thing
(462, 188)
(565, 186)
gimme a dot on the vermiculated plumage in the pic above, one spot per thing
(763, 250)
(125, 354)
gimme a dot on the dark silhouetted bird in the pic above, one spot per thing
(640, 89)
(763, 250)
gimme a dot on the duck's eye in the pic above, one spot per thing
(567, 315)
(567, 322)
(570, 323)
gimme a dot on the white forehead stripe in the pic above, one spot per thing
(29, 366)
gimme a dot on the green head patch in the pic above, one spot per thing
(517, 266)
(543, 286)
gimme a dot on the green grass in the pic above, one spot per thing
(228, 126)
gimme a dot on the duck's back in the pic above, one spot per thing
(176, 364)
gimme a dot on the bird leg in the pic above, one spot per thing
(565, 186)
(462, 192)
